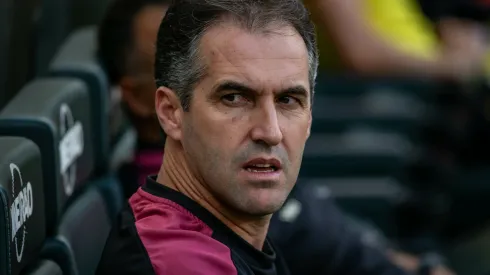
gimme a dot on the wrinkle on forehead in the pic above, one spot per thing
(279, 55)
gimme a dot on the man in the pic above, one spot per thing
(315, 242)
(235, 83)
(126, 48)
(316, 237)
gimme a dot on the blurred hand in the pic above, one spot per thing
(405, 261)
(464, 48)
(442, 270)
(411, 263)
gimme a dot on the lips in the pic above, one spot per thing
(262, 165)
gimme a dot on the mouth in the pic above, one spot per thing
(262, 165)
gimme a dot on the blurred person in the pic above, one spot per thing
(394, 39)
(319, 231)
(235, 84)
(316, 237)
(126, 49)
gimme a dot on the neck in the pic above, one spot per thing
(175, 173)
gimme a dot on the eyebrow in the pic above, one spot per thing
(230, 85)
(233, 86)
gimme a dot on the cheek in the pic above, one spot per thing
(295, 126)
(295, 136)
(203, 155)
(215, 138)
(225, 128)
(295, 145)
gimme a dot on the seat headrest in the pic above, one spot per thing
(55, 114)
(77, 58)
(22, 218)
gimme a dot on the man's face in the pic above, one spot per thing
(249, 117)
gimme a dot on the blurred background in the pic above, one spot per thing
(400, 135)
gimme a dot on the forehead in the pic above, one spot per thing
(271, 59)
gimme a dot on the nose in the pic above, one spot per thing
(266, 125)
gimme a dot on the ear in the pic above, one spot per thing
(129, 94)
(169, 112)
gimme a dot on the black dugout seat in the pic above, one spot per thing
(53, 26)
(54, 114)
(354, 86)
(380, 112)
(77, 58)
(113, 138)
(358, 153)
(373, 199)
(19, 33)
(82, 234)
(22, 216)
(45, 267)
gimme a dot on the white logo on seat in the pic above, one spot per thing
(70, 147)
(20, 210)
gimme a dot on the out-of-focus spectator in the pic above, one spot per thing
(394, 38)
(126, 49)
(316, 237)
(127, 38)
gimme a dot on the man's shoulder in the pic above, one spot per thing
(176, 241)
(157, 215)
(189, 252)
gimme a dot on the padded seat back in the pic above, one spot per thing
(22, 214)
(20, 17)
(354, 86)
(85, 227)
(5, 29)
(376, 110)
(53, 28)
(45, 267)
(356, 153)
(77, 58)
(373, 199)
(111, 190)
(55, 114)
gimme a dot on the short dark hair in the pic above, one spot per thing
(177, 63)
(115, 36)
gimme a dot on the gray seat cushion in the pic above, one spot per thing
(85, 227)
(22, 214)
(55, 114)
(77, 58)
(45, 267)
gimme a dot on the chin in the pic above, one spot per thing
(265, 211)
(266, 204)
(258, 211)
(256, 199)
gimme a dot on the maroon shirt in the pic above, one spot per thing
(166, 233)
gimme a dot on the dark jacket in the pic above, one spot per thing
(316, 238)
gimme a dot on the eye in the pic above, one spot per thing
(234, 99)
(288, 100)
